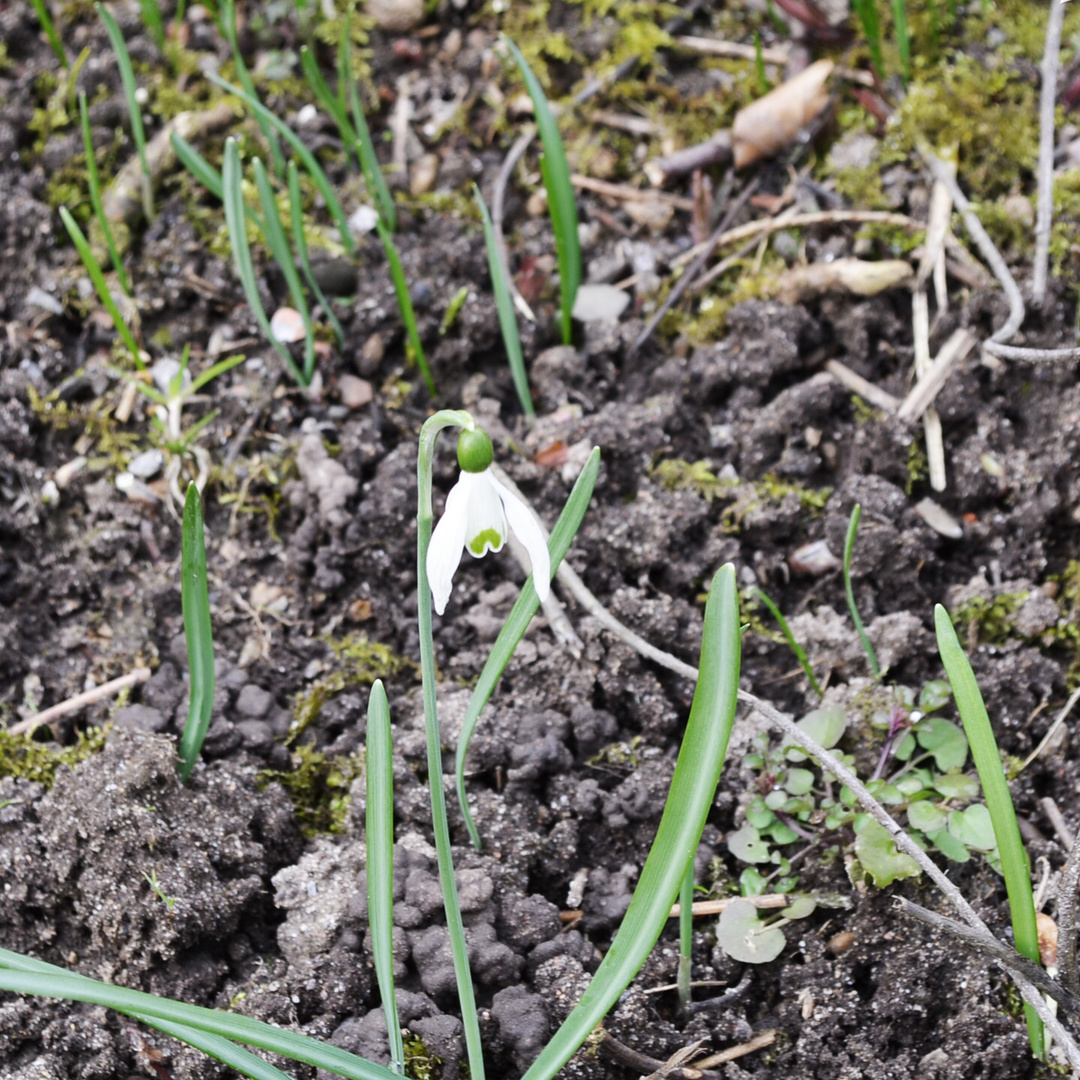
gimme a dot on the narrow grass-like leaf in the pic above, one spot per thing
(686, 935)
(243, 1061)
(233, 198)
(296, 218)
(517, 622)
(152, 20)
(195, 604)
(562, 206)
(759, 64)
(227, 14)
(984, 752)
(100, 284)
(789, 637)
(213, 372)
(379, 826)
(405, 304)
(903, 38)
(127, 77)
(504, 303)
(94, 180)
(208, 176)
(42, 11)
(849, 547)
(330, 101)
(697, 771)
(365, 148)
(322, 182)
(866, 10)
(283, 256)
(242, 1029)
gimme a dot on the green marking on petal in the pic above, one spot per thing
(480, 543)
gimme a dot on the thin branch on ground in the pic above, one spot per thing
(1045, 213)
(942, 173)
(800, 221)
(935, 439)
(694, 269)
(1068, 884)
(79, 701)
(1057, 819)
(1053, 729)
(734, 50)
(1032, 356)
(867, 390)
(629, 193)
(922, 394)
(498, 206)
(1010, 959)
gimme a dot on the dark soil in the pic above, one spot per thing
(311, 538)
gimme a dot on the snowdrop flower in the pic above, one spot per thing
(479, 511)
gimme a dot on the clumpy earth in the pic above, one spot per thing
(723, 439)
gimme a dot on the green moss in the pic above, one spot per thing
(989, 621)
(1065, 233)
(863, 412)
(622, 755)
(812, 499)
(984, 109)
(420, 1062)
(360, 663)
(918, 465)
(456, 204)
(318, 786)
(23, 756)
(676, 474)
(111, 446)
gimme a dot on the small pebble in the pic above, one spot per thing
(287, 325)
(813, 558)
(596, 302)
(146, 464)
(840, 943)
(355, 392)
(397, 16)
(939, 519)
(362, 220)
(424, 173)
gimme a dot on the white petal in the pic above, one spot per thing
(447, 541)
(531, 536)
(486, 529)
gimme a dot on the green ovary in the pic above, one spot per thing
(480, 543)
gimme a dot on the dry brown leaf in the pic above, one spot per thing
(856, 276)
(770, 123)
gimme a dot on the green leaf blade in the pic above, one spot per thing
(195, 602)
(697, 771)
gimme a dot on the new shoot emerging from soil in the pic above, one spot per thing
(562, 206)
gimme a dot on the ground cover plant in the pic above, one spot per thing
(737, 342)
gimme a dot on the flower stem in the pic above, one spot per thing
(440, 825)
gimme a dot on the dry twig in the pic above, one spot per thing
(87, 697)
(1045, 213)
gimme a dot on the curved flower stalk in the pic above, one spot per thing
(439, 822)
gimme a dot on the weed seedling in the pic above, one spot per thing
(155, 885)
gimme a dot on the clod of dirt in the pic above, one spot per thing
(325, 480)
(156, 870)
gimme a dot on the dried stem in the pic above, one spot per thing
(88, 697)
(1045, 214)
(1068, 885)
(996, 950)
